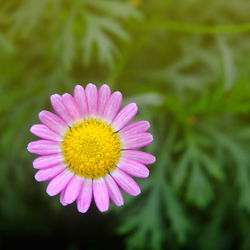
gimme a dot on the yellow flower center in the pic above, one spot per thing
(91, 148)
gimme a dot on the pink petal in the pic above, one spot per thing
(114, 191)
(142, 157)
(53, 122)
(44, 132)
(135, 128)
(101, 194)
(133, 168)
(59, 107)
(44, 147)
(104, 95)
(125, 116)
(126, 182)
(73, 189)
(49, 173)
(136, 140)
(92, 98)
(57, 184)
(81, 100)
(85, 197)
(47, 161)
(62, 201)
(112, 107)
(71, 107)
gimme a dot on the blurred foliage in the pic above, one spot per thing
(186, 64)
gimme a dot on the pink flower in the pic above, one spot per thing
(87, 149)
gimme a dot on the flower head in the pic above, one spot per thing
(87, 149)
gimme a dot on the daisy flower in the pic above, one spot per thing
(88, 149)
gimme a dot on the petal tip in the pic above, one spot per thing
(53, 97)
(146, 175)
(49, 191)
(153, 159)
(133, 104)
(137, 192)
(91, 85)
(65, 95)
(64, 204)
(104, 86)
(120, 204)
(34, 164)
(150, 137)
(83, 211)
(32, 129)
(36, 176)
(117, 93)
(78, 86)
(103, 209)
(29, 147)
(147, 124)
(40, 114)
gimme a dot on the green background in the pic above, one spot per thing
(186, 63)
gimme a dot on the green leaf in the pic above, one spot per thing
(180, 172)
(96, 28)
(115, 8)
(176, 215)
(199, 191)
(212, 166)
(28, 16)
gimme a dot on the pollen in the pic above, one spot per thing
(91, 148)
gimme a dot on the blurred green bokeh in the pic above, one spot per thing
(187, 65)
